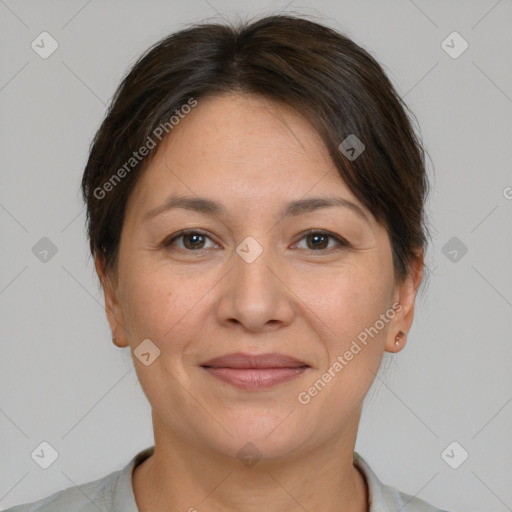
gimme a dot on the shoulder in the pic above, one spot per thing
(407, 503)
(384, 498)
(88, 497)
(111, 493)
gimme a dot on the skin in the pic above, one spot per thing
(253, 156)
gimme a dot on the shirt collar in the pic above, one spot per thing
(123, 499)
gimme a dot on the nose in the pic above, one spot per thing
(255, 295)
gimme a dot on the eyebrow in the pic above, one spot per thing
(292, 209)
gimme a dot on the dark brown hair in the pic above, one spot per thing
(334, 83)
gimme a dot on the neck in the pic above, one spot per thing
(181, 475)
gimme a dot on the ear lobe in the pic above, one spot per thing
(406, 292)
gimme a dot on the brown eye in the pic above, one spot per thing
(190, 240)
(319, 240)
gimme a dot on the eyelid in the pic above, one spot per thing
(341, 241)
(172, 238)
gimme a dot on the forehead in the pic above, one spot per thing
(241, 149)
(245, 131)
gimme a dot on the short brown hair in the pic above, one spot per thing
(334, 83)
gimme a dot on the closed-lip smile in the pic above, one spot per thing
(255, 372)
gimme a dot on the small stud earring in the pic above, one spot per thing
(399, 337)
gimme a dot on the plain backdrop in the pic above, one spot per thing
(63, 382)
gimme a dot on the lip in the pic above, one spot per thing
(255, 361)
(255, 372)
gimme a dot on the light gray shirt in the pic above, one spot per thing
(114, 493)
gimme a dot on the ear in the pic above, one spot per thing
(112, 306)
(405, 295)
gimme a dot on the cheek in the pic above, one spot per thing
(348, 301)
(147, 304)
(346, 309)
(163, 306)
(160, 307)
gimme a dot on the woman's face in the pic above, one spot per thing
(248, 279)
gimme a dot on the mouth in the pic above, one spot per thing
(255, 372)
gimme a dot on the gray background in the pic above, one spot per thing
(61, 378)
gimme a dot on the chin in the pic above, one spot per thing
(262, 434)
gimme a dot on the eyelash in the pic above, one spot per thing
(341, 242)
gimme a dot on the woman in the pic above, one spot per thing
(255, 201)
